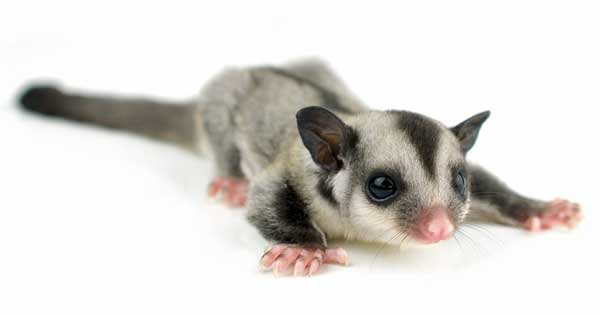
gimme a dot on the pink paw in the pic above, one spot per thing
(232, 191)
(303, 261)
(558, 213)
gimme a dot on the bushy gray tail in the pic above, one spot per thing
(159, 120)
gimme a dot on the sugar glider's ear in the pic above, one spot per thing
(325, 136)
(467, 131)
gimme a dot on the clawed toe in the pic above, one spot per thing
(558, 213)
(301, 261)
(232, 191)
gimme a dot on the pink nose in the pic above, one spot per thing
(435, 225)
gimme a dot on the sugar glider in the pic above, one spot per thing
(312, 163)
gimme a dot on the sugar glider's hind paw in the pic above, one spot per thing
(302, 261)
(232, 191)
(557, 213)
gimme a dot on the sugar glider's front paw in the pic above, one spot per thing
(302, 261)
(232, 191)
(556, 213)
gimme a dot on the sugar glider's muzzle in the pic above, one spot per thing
(433, 225)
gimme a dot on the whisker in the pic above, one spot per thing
(385, 244)
(462, 251)
(474, 244)
(489, 193)
(485, 232)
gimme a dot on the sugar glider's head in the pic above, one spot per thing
(395, 174)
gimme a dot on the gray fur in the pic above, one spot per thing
(493, 198)
(245, 119)
(160, 120)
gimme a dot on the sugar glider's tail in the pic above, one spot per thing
(164, 121)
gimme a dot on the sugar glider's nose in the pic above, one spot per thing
(434, 225)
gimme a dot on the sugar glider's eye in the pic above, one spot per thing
(381, 187)
(460, 182)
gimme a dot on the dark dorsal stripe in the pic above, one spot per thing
(330, 99)
(424, 135)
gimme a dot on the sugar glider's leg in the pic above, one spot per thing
(218, 103)
(229, 185)
(493, 199)
(280, 206)
(281, 215)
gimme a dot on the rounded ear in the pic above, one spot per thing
(324, 135)
(467, 131)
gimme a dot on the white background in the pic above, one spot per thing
(100, 222)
